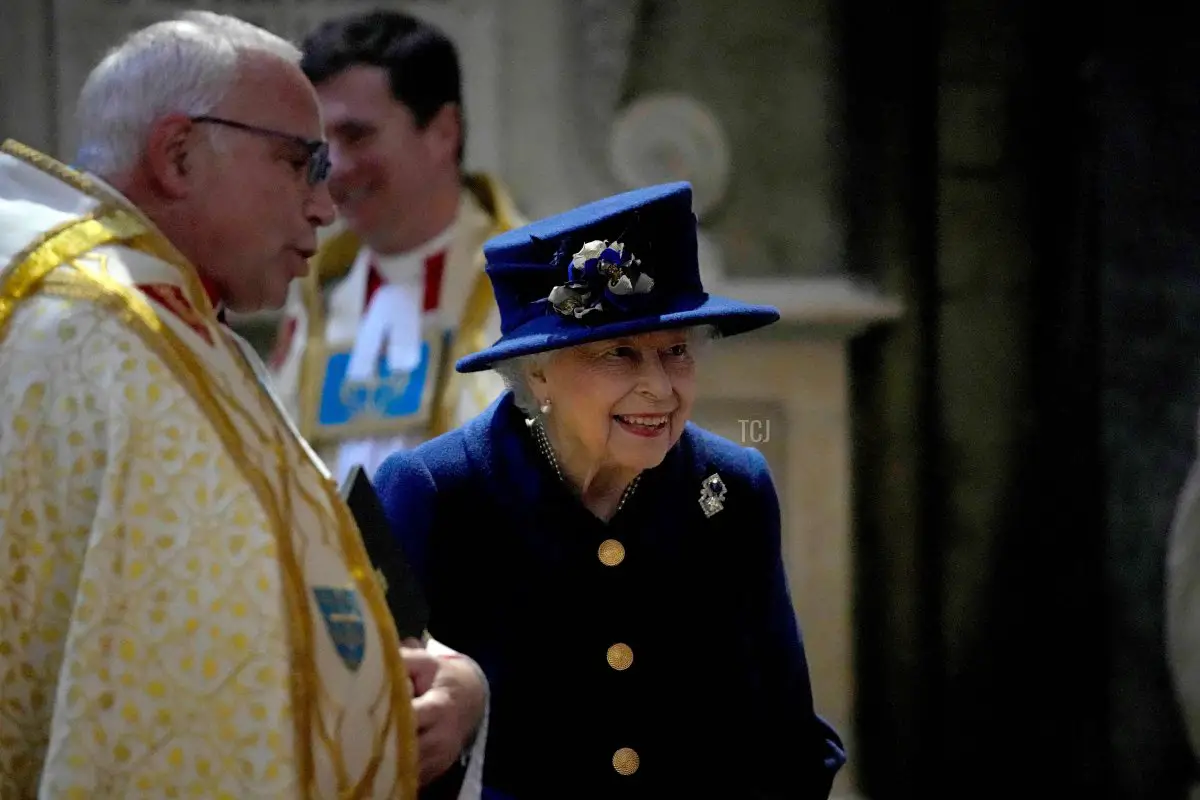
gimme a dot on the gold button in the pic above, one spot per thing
(612, 552)
(626, 761)
(620, 657)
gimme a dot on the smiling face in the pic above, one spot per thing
(385, 165)
(620, 403)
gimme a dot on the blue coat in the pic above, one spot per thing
(716, 701)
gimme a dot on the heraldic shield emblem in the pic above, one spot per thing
(344, 621)
(336, 407)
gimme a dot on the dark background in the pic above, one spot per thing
(1026, 176)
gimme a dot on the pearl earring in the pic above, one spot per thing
(545, 407)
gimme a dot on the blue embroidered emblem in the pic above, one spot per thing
(389, 395)
(344, 621)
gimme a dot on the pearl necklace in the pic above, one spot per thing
(543, 442)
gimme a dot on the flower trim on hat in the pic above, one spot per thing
(601, 275)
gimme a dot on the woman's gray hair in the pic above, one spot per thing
(515, 374)
(515, 371)
(180, 66)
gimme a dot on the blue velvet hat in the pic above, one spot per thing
(616, 267)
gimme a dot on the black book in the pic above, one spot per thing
(405, 598)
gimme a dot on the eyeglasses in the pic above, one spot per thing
(317, 149)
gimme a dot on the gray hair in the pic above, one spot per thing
(181, 66)
(515, 371)
(515, 374)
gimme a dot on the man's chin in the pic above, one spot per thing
(270, 301)
(369, 228)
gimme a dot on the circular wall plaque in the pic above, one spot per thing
(671, 137)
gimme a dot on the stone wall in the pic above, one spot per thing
(29, 94)
(769, 77)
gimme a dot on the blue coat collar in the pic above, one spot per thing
(499, 444)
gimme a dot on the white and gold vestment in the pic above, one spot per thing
(186, 608)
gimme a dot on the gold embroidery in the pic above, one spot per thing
(469, 339)
(47, 164)
(148, 238)
(363, 574)
(96, 262)
(124, 225)
(160, 554)
(130, 313)
(73, 240)
(60, 244)
(470, 335)
(351, 546)
(135, 312)
(350, 543)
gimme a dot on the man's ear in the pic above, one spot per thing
(443, 133)
(170, 153)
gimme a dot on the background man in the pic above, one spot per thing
(365, 351)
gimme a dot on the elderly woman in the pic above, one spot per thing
(614, 569)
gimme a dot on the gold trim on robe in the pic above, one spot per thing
(350, 702)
